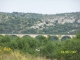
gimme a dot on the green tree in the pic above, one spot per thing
(78, 35)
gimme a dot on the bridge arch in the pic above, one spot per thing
(26, 36)
(40, 36)
(13, 36)
(54, 38)
(65, 37)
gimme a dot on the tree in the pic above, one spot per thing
(53, 38)
(78, 35)
(5, 39)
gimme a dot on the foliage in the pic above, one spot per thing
(33, 23)
(41, 46)
(78, 35)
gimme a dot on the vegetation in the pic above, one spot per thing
(33, 23)
(39, 47)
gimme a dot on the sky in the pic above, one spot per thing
(40, 6)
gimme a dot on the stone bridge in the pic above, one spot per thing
(34, 35)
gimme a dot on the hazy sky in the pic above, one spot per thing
(40, 6)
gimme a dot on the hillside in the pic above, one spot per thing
(33, 23)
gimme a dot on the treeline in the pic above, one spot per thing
(41, 46)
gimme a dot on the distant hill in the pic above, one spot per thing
(33, 23)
